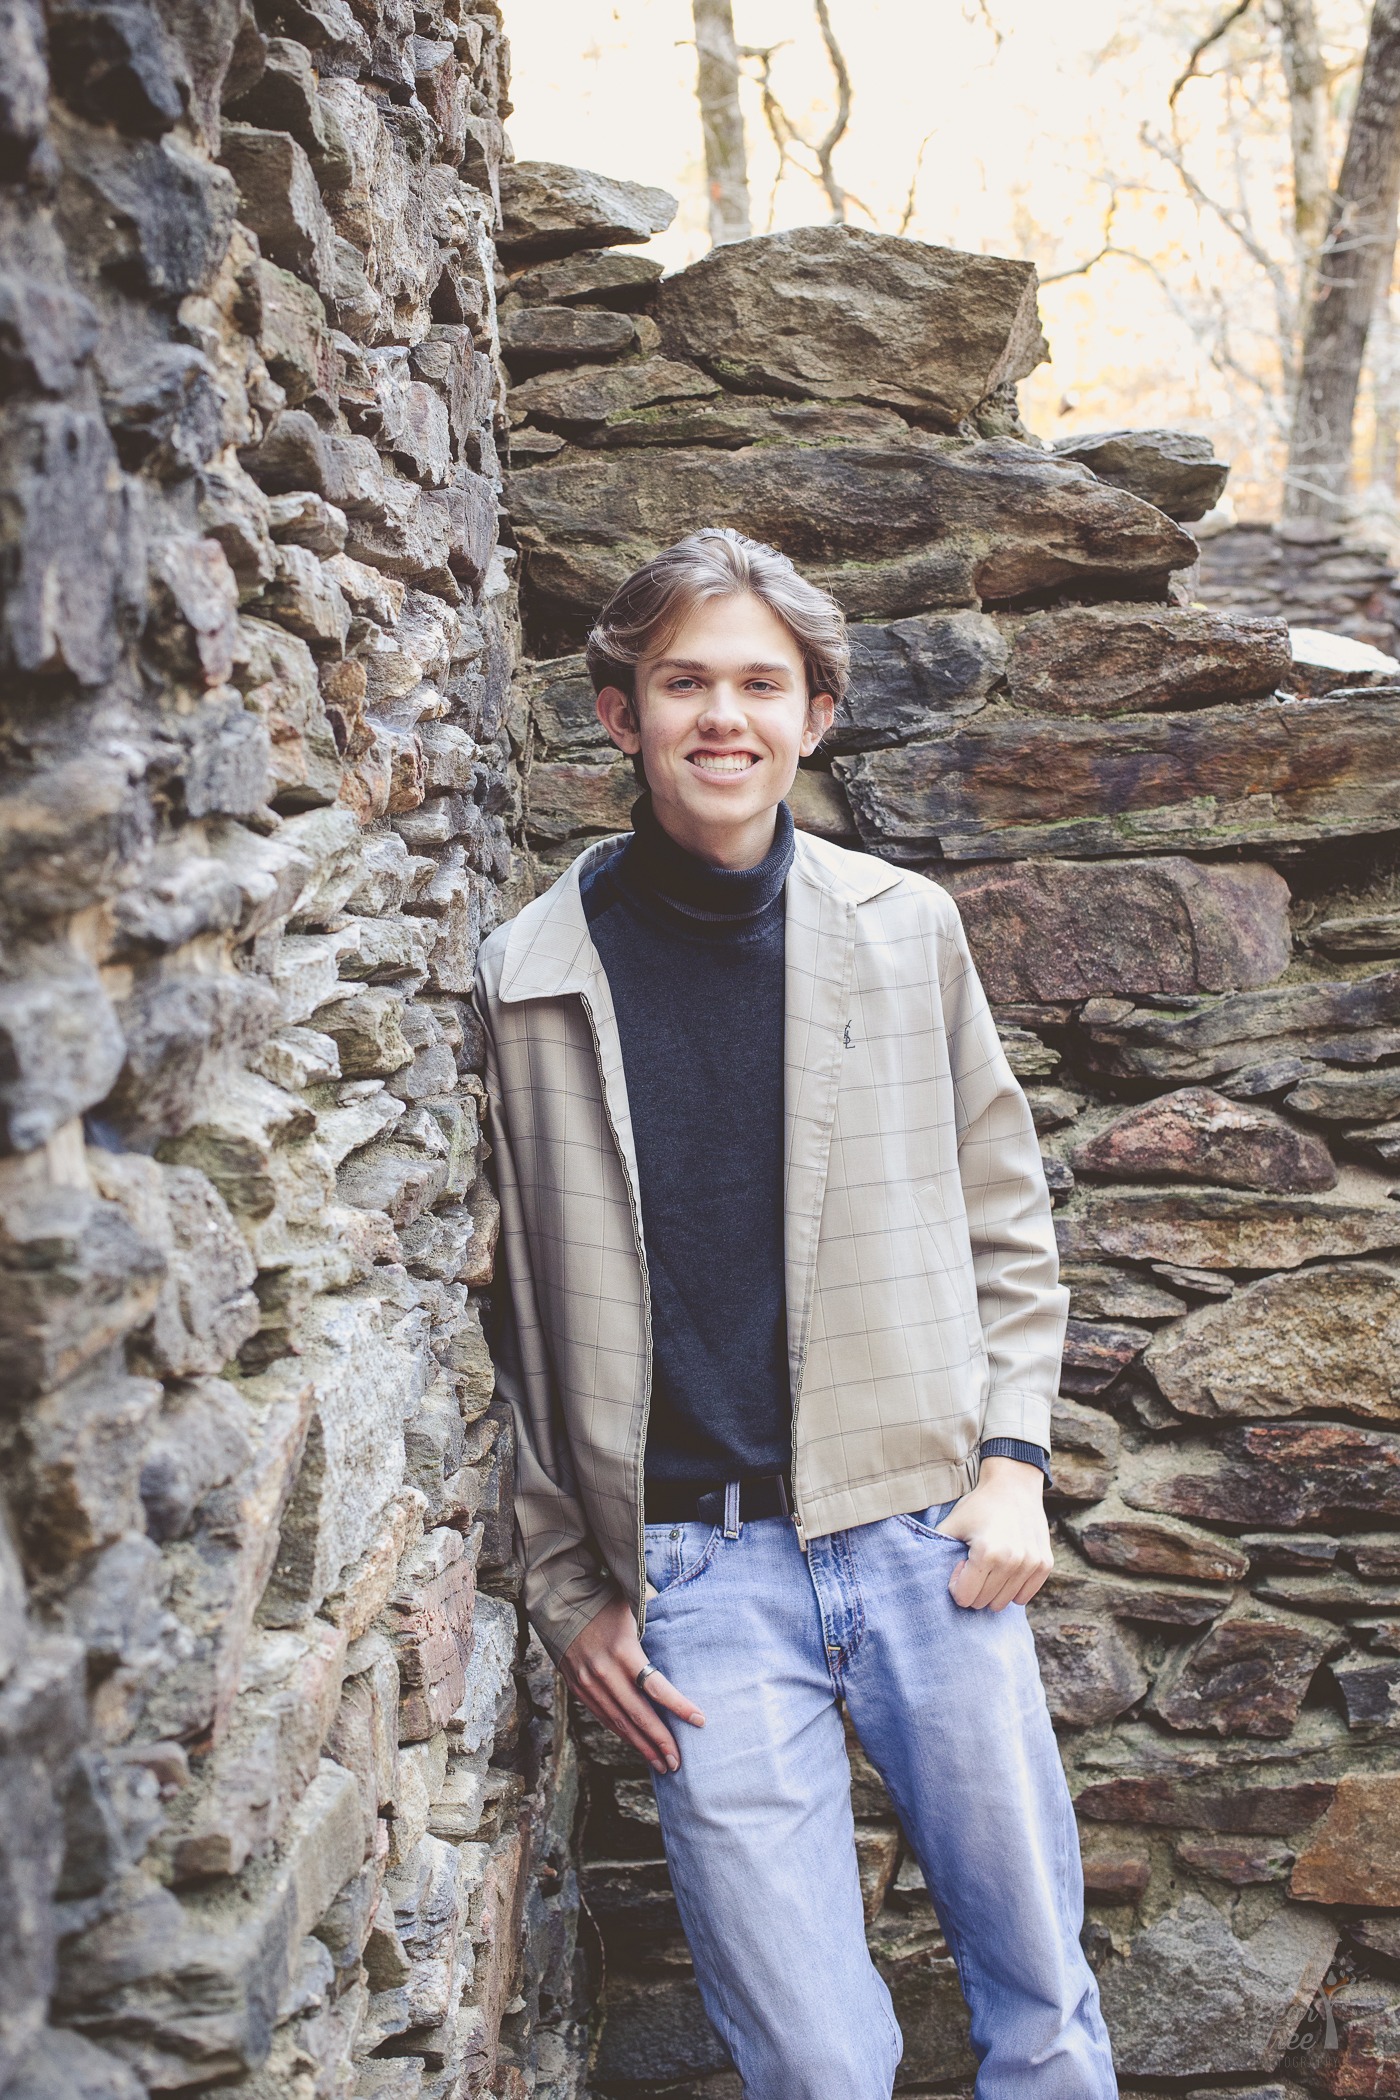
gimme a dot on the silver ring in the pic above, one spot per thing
(647, 1670)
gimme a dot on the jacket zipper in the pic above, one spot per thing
(640, 1246)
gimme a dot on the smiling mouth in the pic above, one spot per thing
(722, 762)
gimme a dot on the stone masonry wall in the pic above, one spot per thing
(1184, 897)
(285, 1800)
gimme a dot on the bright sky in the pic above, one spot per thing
(1028, 115)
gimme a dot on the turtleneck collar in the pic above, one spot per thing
(653, 865)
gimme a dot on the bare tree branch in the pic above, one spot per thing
(785, 134)
(836, 131)
(906, 217)
(1212, 36)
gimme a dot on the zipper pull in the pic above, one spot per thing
(801, 1534)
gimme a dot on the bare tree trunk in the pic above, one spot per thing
(722, 121)
(1384, 360)
(1305, 70)
(1354, 264)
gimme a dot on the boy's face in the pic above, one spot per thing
(721, 718)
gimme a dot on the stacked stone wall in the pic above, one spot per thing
(1184, 896)
(285, 1798)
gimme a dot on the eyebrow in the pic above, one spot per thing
(683, 663)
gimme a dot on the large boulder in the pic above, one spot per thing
(1218, 1229)
(839, 314)
(1172, 468)
(548, 210)
(1005, 785)
(1275, 1035)
(904, 526)
(1070, 930)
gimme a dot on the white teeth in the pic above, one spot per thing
(722, 761)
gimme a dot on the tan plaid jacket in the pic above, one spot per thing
(924, 1310)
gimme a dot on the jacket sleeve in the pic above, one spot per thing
(566, 1584)
(1020, 1300)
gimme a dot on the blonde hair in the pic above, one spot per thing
(717, 562)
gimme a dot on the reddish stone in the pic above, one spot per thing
(1366, 2059)
(1198, 1135)
(1114, 1872)
(1354, 1854)
(1071, 930)
(1094, 1355)
(1234, 1860)
(1142, 1546)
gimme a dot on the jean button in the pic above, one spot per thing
(676, 1533)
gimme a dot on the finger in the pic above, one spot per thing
(661, 1756)
(965, 1585)
(665, 1694)
(1003, 1591)
(640, 1712)
(1033, 1584)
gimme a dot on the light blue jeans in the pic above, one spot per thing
(757, 1822)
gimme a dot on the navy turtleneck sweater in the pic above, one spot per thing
(694, 958)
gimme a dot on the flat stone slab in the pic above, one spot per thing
(549, 210)
(1325, 1337)
(1174, 469)
(1219, 1229)
(1281, 1032)
(1296, 1475)
(905, 526)
(1136, 659)
(1073, 930)
(1004, 786)
(841, 314)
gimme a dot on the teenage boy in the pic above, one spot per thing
(779, 1318)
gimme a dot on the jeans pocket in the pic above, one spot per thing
(677, 1553)
(926, 1521)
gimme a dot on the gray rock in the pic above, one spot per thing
(61, 1048)
(539, 338)
(75, 1278)
(72, 540)
(354, 1464)
(1174, 469)
(75, 1466)
(925, 330)
(162, 212)
(280, 201)
(581, 402)
(1218, 1229)
(1192, 1999)
(63, 2066)
(548, 211)
(593, 277)
(1352, 1021)
(907, 674)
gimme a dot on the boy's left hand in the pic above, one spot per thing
(1003, 1523)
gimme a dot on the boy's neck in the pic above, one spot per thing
(731, 846)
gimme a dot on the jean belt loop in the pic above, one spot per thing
(731, 1509)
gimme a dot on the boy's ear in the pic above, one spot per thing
(821, 712)
(617, 712)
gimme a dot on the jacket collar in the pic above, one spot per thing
(550, 951)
